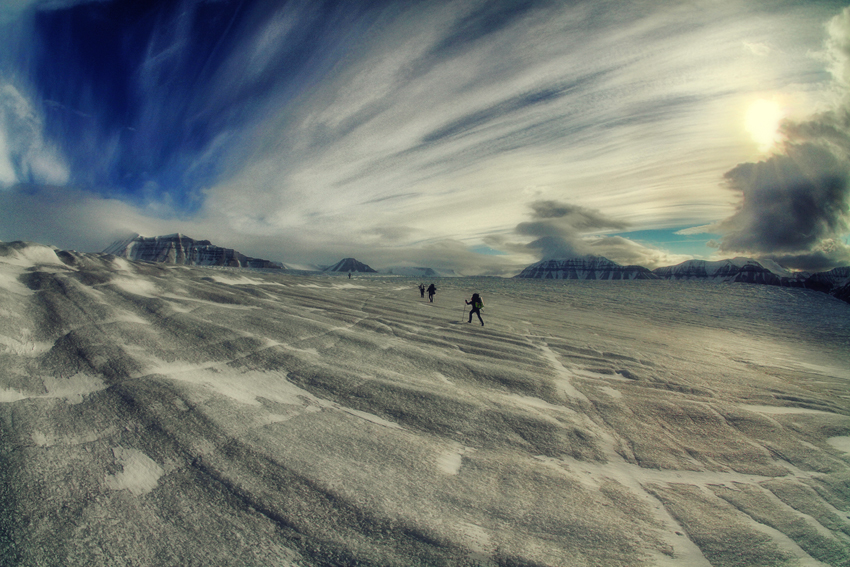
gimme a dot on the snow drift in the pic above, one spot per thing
(158, 414)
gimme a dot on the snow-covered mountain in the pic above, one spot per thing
(585, 268)
(350, 265)
(744, 270)
(180, 249)
(829, 281)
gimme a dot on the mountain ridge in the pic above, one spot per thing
(588, 267)
(177, 248)
(835, 282)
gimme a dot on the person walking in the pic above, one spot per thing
(432, 289)
(477, 304)
(422, 290)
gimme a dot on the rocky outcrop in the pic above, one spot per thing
(180, 249)
(585, 268)
(350, 265)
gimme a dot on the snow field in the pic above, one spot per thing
(175, 416)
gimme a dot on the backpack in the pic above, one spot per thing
(476, 301)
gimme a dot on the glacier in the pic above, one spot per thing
(155, 414)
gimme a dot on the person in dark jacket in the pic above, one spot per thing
(432, 289)
(477, 304)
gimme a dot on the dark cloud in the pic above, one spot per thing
(558, 228)
(796, 205)
(832, 254)
(790, 202)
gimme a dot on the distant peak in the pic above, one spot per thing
(350, 265)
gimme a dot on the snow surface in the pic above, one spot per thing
(165, 415)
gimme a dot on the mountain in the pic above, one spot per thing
(585, 268)
(180, 249)
(350, 265)
(829, 281)
(744, 270)
(835, 282)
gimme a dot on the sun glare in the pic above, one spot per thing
(762, 122)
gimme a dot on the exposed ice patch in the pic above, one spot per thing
(136, 286)
(8, 395)
(826, 370)
(450, 460)
(121, 264)
(781, 410)
(242, 280)
(31, 255)
(9, 282)
(24, 346)
(72, 389)
(612, 392)
(140, 473)
(334, 286)
(840, 443)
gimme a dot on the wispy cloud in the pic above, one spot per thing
(308, 130)
(25, 156)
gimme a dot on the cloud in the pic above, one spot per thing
(757, 48)
(563, 230)
(303, 132)
(25, 156)
(795, 205)
(70, 218)
(558, 228)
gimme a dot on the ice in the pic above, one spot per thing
(140, 474)
(238, 418)
(840, 443)
(136, 286)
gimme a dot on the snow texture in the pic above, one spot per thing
(157, 414)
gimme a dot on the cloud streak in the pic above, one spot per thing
(308, 130)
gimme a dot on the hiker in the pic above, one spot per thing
(477, 304)
(431, 291)
(422, 290)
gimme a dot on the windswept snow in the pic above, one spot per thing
(167, 415)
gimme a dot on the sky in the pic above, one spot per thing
(479, 136)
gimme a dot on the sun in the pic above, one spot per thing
(762, 122)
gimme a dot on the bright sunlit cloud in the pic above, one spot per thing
(762, 123)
